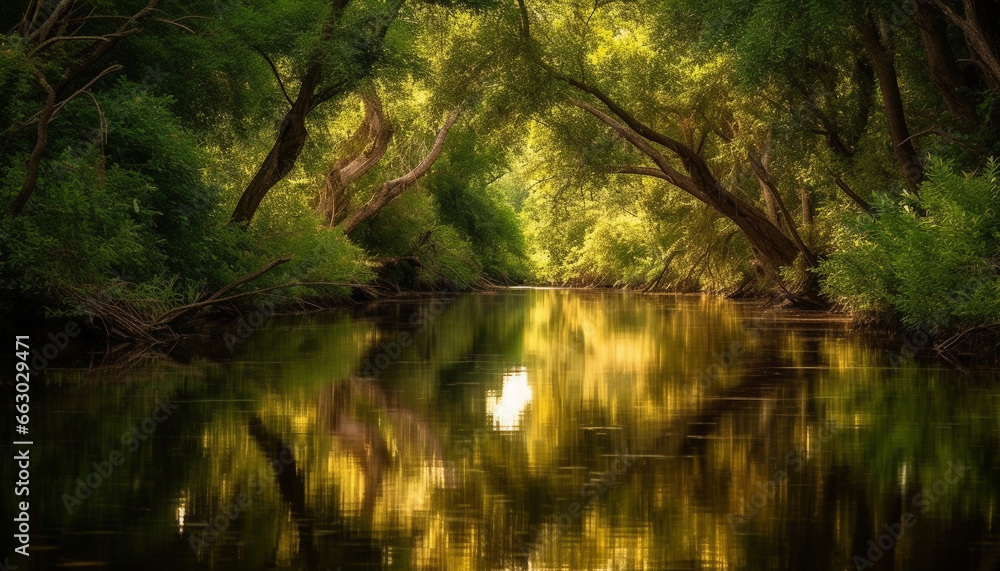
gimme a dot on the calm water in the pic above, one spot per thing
(535, 429)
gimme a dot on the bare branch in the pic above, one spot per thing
(174, 23)
(392, 189)
(83, 89)
(55, 16)
(274, 70)
(56, 39)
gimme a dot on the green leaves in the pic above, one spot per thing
(931, 270)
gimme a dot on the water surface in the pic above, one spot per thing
(540, 429)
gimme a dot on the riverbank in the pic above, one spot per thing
(222, 329)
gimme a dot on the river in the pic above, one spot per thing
(525, 428)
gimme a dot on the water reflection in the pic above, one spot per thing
(536, 429)
(506, 407)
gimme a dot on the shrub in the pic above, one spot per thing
(930, 262)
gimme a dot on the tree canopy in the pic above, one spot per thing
(161, 155)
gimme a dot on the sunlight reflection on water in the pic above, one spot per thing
(506, 407)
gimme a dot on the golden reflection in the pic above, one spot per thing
(506, 408)
(180, 513)
(753, 440)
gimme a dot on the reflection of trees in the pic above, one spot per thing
(408, 467)
(281, 461)
(361, 439)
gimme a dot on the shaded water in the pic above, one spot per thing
(525, 429)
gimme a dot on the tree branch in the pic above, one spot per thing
(217, 296)
(670, 174)
(392, 189)
(274, 70)
(853, 195)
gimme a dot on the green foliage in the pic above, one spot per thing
(82, 229)
(933, 262)
(465, 188)
(144, 166)
(417, 250)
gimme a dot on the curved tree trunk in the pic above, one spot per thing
(885, 69)
(362, 152)
(392, 189)
(770, 244)
(287, 146)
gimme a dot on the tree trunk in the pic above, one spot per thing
(769, 243)
(291, 137)
(806, 206)
(764, 176)
(287, 146)
(392, 189)
(944, 71)
(772, 207)
(362, 152)
(41, 141)
(885, 69)
(980, 35)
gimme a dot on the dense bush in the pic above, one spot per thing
(121, 200)
(124, 211)
(470, 198)
(418, 250)
(931, 262)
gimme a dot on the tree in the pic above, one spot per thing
(875, 35)
(360, 153)
(350, 45)
(391, 190)
(320, 80)
(53, 36)
(773, 247)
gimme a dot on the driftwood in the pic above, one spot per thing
(216, 297)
